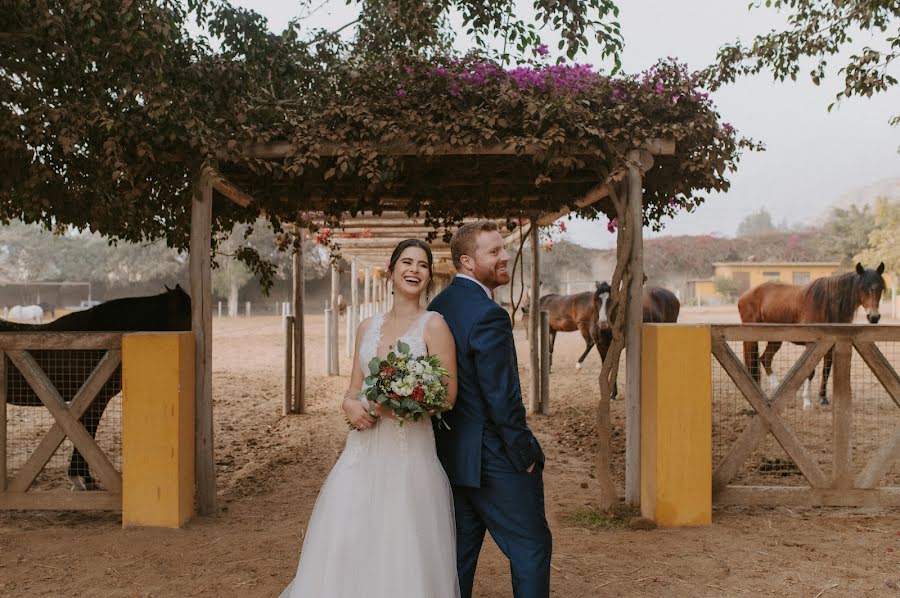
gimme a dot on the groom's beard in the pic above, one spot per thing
(492, 277)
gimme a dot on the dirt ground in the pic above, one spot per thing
(271, 467)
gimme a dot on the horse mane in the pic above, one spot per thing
(836, 296)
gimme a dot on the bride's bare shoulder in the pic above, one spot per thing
(436, 325)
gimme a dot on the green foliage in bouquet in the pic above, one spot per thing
(410, 386)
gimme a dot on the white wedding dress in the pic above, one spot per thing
(383, 525)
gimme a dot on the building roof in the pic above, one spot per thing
(780, 264)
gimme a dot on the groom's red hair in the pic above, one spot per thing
(465, 239)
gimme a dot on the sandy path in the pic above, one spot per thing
(270, 469)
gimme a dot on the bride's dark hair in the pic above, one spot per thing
(403, 245)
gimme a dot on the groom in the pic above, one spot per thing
(492, 459)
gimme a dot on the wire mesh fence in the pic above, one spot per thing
(29, 421)
(874, 417)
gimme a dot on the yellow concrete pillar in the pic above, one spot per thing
(157, 429)
(676, 425)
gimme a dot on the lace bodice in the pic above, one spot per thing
(414, 337)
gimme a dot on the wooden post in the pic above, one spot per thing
(328, 324)
(842, 416)
(545, 362)
(348, 332)
(633, 322)
(367, 293)
(334, 367)
(389, 293)
(288, 363)
(534, 319)
(299, 369)
(2, 421)
(201, 326)
(376, 294)
(354, 305)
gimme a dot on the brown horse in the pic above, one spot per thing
(659, 305)
(830, 300)
(580, 312)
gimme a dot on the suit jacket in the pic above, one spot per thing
(488, 420)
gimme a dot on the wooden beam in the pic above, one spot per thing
(767, 412)
(798, 496)
(756, 429)
(74, 429)
(633, 322)
(805, 332)
(2, 421)
(545, 362)
(534, 319)
(334, 368)
(593, 196)
(55, 435)
(61, 501)
(288, 365)
(201, 326)
(231, 192)
(353, 316)
(842, 416)
(298, 301)
(32, 341)
(282, 150)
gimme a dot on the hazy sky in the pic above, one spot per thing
(813, 157)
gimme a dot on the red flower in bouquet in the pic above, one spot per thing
(418, 394)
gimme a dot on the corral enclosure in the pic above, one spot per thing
(270, 469)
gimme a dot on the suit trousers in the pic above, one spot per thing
(510, 505)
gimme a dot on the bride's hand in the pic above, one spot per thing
(356, 414)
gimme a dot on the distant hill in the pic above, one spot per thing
(865, 196)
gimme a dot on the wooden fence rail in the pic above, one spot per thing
(66, 408)
(840, 487)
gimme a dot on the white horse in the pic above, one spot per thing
(26, 313)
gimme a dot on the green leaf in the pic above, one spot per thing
(374, 366)
(402, 347)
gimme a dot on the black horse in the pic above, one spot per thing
(68, 369)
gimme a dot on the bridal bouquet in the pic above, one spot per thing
(409, 386)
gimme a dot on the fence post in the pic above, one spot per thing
(157, 429)
(842, 415)
(328, 324)
(247, 309)
(676, 425)
(2, 421)
(534, 322)
(545, 362)
(288, 363)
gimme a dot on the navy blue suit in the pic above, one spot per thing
(489, 446)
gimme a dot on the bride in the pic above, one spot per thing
(383, 524)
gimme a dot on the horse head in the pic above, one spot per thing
(179, 305)
(871, 286)
(601, 301)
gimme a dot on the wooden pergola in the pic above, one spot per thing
(494, 171)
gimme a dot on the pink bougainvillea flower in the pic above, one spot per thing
(612, 224)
